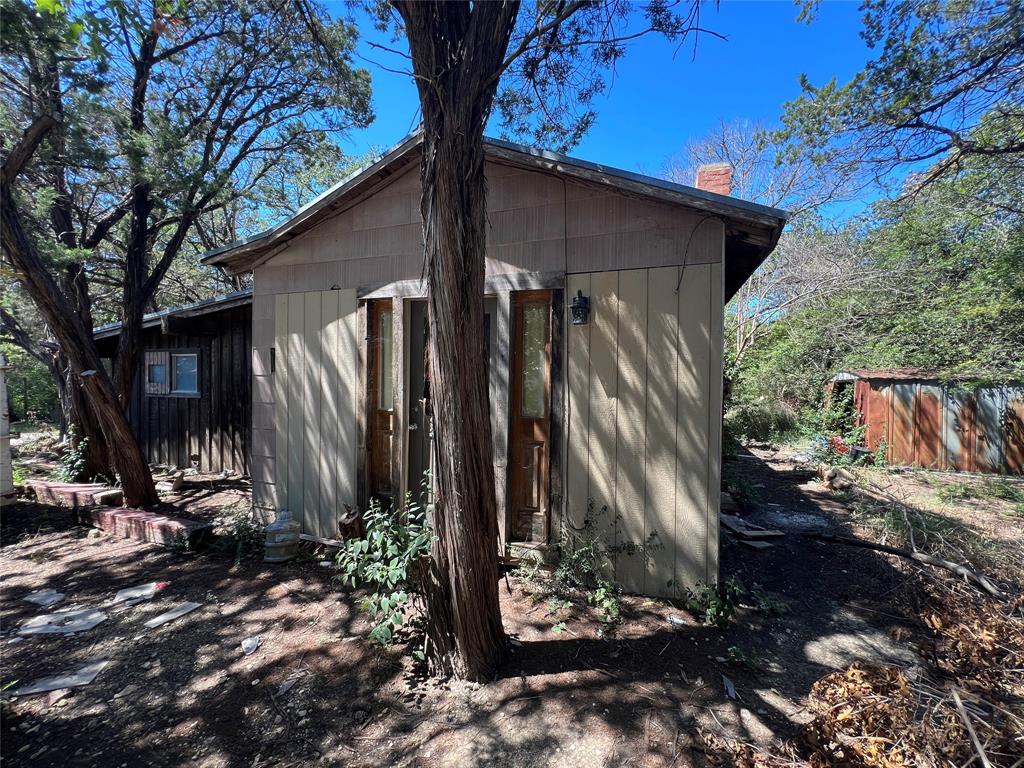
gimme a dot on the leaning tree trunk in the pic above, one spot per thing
(79, 412)
(457, 52)
(96, 464)
(67, 326)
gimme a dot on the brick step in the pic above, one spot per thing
(72, 495)
(145, 526)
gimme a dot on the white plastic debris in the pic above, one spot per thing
(83, 676)
(730, 689)
(675, 621)
(139, 593)
(172, 614)
(250, 644)
(65, 622)
(44, 597)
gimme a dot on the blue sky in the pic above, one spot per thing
(660, 97)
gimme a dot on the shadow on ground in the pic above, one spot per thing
(186, 694)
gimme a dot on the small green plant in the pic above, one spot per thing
(715, 605)
(181, 544)
(951, 493)
(389, 562)
(18, 474)
(881, 456)
(72, 460)
(739, 658)
(767, 603)
(559, 628)
(248, 533)
(587, 560)
(1001, 488)
(740, 488)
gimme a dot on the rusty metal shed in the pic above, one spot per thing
(939, 422)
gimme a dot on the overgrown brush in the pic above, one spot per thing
(586, 566)
(886, 717)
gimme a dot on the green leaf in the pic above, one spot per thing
(52, 7)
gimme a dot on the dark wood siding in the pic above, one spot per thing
(211, 431)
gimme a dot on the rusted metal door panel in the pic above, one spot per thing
(1013, 431)
(988, 443)
(960, 430)
(873, 400)
(928, 426)
(902, 450)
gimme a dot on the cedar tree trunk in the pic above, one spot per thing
(458, 50)
(71, 331)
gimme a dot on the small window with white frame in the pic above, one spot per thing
(184, 373)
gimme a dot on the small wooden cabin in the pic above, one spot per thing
(616, 407)
(192, 401)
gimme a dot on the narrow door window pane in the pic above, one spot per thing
(535, 331)
(186, 373)
(387, 383)
(156, 373)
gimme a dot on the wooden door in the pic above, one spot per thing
(530, 416)
(381, 393)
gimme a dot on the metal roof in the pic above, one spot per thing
(206, 306)
(763, 217)
(905, 374)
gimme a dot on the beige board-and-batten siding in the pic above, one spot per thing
(644, 402)
(314, 407)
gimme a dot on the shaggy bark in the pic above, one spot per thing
(70, 330)
(457, 53)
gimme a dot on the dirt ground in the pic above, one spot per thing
(185, 693)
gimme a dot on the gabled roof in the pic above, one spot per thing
(205, 307)
(752, 230)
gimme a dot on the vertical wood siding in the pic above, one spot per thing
(213, 429)
(644, 420)
(314, 409)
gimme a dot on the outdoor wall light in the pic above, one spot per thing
(580, 309)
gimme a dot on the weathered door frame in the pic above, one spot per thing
(501, 307)
(526, 430)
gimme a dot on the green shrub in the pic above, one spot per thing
(715, 605)
(389, 561)
(248, 533)
(72, 460)
(585, 564)
(761, 421)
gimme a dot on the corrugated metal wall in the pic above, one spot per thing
(944, 426)
(644, 429)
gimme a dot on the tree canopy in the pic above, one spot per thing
(141, 127)
(946, 85)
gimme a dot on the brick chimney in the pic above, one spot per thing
(715, 177)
